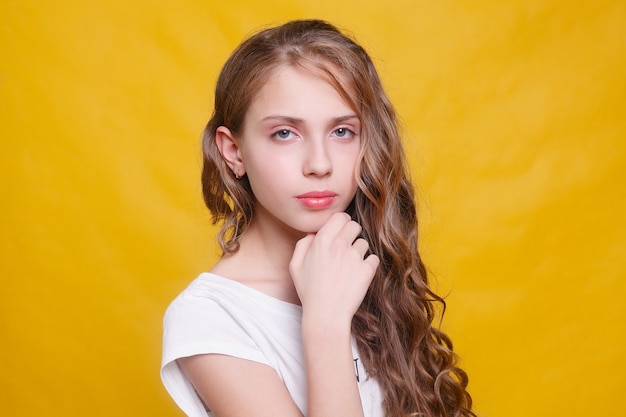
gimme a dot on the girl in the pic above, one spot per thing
(319, 305)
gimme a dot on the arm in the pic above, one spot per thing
(332, 277)
(332, 384)
(234, 387)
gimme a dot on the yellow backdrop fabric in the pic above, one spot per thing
(514, 115)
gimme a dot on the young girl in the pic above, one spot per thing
(319, 305)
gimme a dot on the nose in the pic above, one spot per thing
(317, 159)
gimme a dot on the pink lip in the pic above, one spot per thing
(317, 199)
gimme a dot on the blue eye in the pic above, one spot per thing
(283, 134)
(343, 132)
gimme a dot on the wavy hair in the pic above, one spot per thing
(401, 347)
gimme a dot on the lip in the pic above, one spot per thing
(317, 199)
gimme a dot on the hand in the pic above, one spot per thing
(330, 271)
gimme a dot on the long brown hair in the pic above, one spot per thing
(411, 358)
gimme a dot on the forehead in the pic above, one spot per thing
(298, 91)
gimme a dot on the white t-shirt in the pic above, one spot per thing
(218, 315)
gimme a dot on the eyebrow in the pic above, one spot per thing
(298, 121)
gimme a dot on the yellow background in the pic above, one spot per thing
(515, 118)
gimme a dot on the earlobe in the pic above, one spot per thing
(228, 146)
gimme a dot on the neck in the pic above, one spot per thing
(262, 261)
(270, 247)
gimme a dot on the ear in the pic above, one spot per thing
(228, 145)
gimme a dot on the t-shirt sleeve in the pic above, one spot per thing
(199, 325)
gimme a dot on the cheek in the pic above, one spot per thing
(264, 165)
(267, 174)
(350, 162)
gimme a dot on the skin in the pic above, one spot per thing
(299, 147)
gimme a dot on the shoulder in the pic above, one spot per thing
(209, 306)
(206, 291)
(216, 324)
(204, 318)
(218, 315)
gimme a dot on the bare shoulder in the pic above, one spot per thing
(276, 284)
(230, 266)
(231, 386)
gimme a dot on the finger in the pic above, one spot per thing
(373, 261)
(334, 224)
(351, 231)
(300, 250)
(361, 246)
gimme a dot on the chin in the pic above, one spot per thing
(315, 225)
(305, 230)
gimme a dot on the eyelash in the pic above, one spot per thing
(276, 135)
(347, 133)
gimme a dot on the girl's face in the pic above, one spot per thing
(299, 147)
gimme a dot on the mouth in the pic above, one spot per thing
(317, 199)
